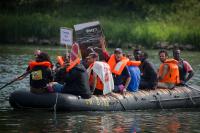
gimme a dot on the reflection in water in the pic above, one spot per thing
(29, 121)
(100, 122)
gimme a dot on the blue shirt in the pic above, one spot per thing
(135, 78)
(121, 79)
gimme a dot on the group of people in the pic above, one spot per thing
(114, 73)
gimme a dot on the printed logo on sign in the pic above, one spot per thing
(91, 30)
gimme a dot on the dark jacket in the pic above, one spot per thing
(148, 74)
(60, 75)
(40, 77)
(77, 82)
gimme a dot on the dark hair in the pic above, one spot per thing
(145, 55)
(43, 57)
(163, 51)
(136, 50)
(176, 48)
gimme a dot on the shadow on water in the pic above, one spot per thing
(13, 62)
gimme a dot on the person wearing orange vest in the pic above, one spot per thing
(59, 71)
(41, 73)
(100, 77)
(76, 80)
(168, 75)
(119, 69)
(60, 62)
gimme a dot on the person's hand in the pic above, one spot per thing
(20, 78)
(103, 43)
(121, 88)
(182, 82)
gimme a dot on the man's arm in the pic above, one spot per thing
(164, 72)
(189, 70)
(190, 75)
(128, 75)
(127, 83)
(103, 47)
(94, 82)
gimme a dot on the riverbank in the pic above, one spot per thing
(151, 26)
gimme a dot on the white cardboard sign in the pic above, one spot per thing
(66, 36)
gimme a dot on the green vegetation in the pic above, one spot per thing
(125, 23)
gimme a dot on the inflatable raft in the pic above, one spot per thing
(179, 97)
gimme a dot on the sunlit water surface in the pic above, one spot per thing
(13, 62)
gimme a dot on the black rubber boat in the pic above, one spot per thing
(179, 97)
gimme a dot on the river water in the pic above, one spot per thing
(13, 62)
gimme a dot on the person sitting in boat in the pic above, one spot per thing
(118, 65)
(137, 54)
(59, 73)
(60, 62)
(185, 70)
(133, 68)
(100, 76)
(41, 73)
(119, 69)
(168, 75)
(76, 80)
(148, 71)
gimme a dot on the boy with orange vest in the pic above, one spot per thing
(168, 75)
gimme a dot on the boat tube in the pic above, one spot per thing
(179, 97)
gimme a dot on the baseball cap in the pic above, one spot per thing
(93, 55)
(118, 50)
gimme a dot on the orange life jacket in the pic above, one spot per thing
(99, 84)
(33, 64)
(172, 75)
(73, 64)
(133, 63)
(60, 60)
(117, 67)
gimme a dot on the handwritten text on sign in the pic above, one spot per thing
(66, 36)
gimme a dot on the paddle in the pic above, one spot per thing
(18, 78)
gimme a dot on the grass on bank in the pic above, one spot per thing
(122, 29)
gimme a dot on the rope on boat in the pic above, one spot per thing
(158, 100)
(189, 94)
(190, 97)
(118, 101)
(192, 87)
(55, 105)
